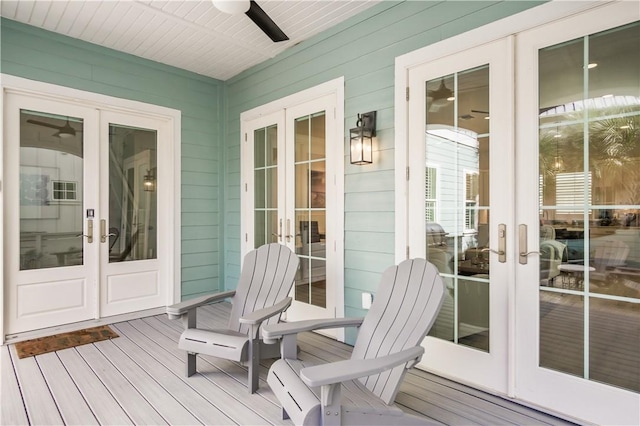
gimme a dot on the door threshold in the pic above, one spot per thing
(64, 328)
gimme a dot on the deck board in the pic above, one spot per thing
(66, 395)
(101, 402)
(138, 378)
(14, 413)
(233, 404)
(134, 404)
(39, 403)
(173, 384)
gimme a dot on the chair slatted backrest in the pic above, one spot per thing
(610, 253)
(267, 276)
(405, 307)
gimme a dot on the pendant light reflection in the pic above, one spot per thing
(558, 164)
(361, 139)
(149, 183)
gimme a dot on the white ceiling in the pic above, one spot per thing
(188, 34)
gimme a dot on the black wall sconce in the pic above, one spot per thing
(149, 183)
(362, 138)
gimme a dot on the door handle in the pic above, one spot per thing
(522, 243)
(489, 249)
(502, 244)
(103, 231)
(89, 233)
(288, 236)
(278, 236)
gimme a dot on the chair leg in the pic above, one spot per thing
(191, 364)
(254, 365)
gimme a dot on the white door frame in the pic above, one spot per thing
(248, 120)
(531, 18)
(47, 91)
(543, 386)
(540, 15)
(484, 369)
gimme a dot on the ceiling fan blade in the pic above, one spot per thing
(42, 123)
(266, 24)
(479, 111)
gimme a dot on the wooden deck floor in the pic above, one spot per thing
(138, 378)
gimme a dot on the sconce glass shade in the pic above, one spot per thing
(149, 183)
(361, 139)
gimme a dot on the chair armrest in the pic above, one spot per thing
(256, 317)
(272, 332)
(177, 310)
(341, 371)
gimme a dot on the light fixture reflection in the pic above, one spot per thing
(149, 181)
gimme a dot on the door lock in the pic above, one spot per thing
(89, 233)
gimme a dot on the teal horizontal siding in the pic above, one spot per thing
(368, 241)
(363, 50)
(41, 55)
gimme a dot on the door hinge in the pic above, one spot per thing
(245, 137)
(407, 94)
(407, 252)
(246, 238)
(407, 173)
(246, 187)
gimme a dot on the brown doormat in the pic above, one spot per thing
(57, 342)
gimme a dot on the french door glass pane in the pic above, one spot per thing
(266, 185)
(133, 187)
(457, 202)
(589, 144)
(51, 189)
(310, 208)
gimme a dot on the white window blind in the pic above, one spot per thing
(570, 192)
(430, 185)
(471, 197)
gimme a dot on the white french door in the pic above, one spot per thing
(51, 232)
(556, 325)
(82, 222)
(578, 300)
(132, 188)
(460, 192)
(291, 158)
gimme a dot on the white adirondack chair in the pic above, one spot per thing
(361, 390)
(260, 297)
(609, 254)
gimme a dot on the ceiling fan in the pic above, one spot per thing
(441, 93)
(65, 131)
(255, 13)
(440, 97)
